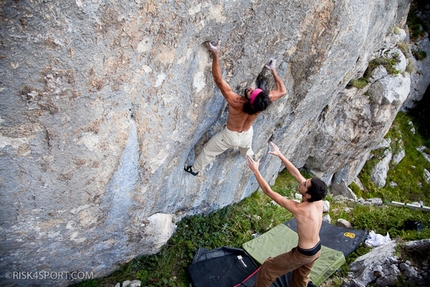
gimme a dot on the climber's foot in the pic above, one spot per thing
(189, 169)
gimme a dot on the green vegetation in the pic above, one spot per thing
(405, 181)
(388, 63)
(382, 219)
(358, 83)
(417, 26)
(419, 54)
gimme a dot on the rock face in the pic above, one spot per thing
(382, 267)
(103, 103)
(420, 81)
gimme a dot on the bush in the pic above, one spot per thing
(359, 83)
(417, 26)
(387, 63)
(419, 54)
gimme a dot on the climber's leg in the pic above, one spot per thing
(216, 145)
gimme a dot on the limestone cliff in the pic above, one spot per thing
(103, 102)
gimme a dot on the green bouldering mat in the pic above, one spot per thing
(281, 239)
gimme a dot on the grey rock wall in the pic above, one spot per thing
(420, 79)
(383, 266)
(102, 103)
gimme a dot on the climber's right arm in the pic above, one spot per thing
(281, 90)
(230, 96)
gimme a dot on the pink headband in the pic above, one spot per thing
(254, 95)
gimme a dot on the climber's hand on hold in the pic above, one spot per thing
(271, 65)
(213, 49)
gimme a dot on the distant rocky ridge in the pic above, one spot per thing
(103, 104)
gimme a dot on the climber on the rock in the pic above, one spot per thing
(242, 111)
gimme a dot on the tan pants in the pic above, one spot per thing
(222, 141)
(300, 264)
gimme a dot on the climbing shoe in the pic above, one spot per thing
(189, 169)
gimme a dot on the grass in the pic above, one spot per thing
(407, 178)
(382, 220)
(358, 83)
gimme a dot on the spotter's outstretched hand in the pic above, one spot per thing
(275, 150)
(253, 165)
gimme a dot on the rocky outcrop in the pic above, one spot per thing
(361, 118)
(103, 104)
(383, 267)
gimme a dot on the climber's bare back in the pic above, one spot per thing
(238, 120)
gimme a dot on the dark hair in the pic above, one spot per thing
(261, 102)
(317, 190)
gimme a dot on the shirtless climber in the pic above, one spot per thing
(242, 111)
(308, 214)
